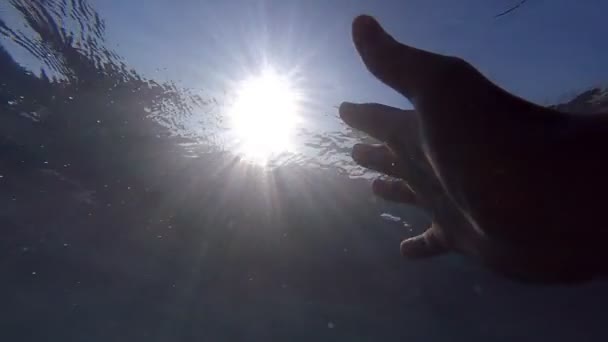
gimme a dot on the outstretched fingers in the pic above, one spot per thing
(428, 244)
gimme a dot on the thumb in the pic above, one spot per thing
(406, 69)
(427, 244)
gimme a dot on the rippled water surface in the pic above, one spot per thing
(177, 171)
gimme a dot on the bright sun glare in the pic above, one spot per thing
(264, 115)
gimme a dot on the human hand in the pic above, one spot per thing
(513, 184)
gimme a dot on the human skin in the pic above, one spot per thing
(514, 185)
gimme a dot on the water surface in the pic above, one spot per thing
(131, 209)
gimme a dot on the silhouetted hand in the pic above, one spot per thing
(520, 187)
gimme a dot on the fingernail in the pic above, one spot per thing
(367, 155)
(360, 152)
(413, 247)
(367, 28)
(380, 186)
(346, 106)
(346, 109)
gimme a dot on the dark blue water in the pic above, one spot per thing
(120, 222)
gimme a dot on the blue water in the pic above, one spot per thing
(126, 215)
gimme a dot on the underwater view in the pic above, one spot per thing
(185, 171)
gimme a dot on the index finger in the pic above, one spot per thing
(382, 122)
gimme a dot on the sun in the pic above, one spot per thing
(264, 115)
